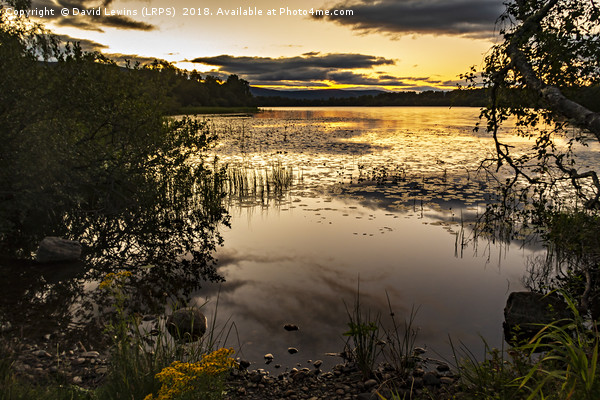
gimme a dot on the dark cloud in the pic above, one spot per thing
(89, 22)
(313, 60)
(470, 18)
(310, 69)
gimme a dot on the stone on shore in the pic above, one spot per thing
(53, 249)
(526, 312)
(188, 324)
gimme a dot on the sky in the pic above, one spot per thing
(395, 45)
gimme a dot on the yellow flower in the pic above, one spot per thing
(111, 277)
(202, 377)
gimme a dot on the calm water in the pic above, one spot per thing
(380, 196)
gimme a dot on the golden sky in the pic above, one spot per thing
(376, 44)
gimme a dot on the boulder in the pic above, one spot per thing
(54, 249)
(188, 324)
(526, 313)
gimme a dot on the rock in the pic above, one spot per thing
(431, 379)
(5, 326)
(54, 249)
(526, 312)
(90, 354)
(317, 364)
(187, 324)
(103, 370)
(290, 327)
(244, 364)
(444, 380)
(77, 380)
(42, 353)
(443, 367)
(255, 377)
(370, 383)
(269, 357)
(292, 350)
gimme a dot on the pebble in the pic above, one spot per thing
(42, 353)
(370, 383)
(431, 379)
(443, 368)
(292, 350)
(444, 380)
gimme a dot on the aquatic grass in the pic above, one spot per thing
(246, 182)
(364, 334)
(400, 341)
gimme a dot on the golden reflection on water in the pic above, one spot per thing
(297, 258)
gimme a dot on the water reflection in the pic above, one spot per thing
(165, 235)
(299, 266)
(386, 196)
(378, 195)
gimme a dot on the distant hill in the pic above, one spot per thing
(316, 94)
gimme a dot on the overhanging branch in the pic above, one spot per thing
(579, 115)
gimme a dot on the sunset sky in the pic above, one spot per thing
(386, 44)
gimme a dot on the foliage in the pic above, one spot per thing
(568, 367)
(202, 379)
(559, 362)
(492, 377)
(542, 79)
(143, 362)
(88, 153)
(550, 50)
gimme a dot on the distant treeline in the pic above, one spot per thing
(187, 90)
(588, 96)
(469, 98)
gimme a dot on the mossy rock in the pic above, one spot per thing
(187, 324)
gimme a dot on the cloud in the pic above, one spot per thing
(313, 67)
(89, 22)
(313, 60)
(469, 18)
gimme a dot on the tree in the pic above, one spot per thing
(549, 57)
(87, 152)
(545, 76)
